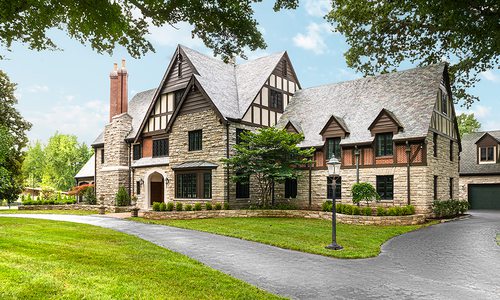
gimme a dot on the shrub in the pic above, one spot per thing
(381, 211)
(218, 206)
(178, 206)
(197, 206)
(170, 206)
(363, 191)
(327, 206)
(89, 196)
(189, 207)
(226, 206)
(122, 197)
(347, 209)
(355, 210)
(208, 206)
(392, 211)
(163, 206)
(366, 211)
(449, 208)
(156, 206)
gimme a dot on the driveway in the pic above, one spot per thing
(454, 260)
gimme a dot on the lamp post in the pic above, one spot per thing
(333, 171)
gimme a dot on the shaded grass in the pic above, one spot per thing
(55, 211)
(306, 235)
(41, 259)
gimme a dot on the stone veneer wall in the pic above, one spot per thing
(84, 207)
(114, 172)
(144, 174)
(346, 219)
(465, 180)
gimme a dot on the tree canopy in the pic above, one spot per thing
(383, 34)
(467, 123)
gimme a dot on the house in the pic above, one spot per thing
(480, 169)
(397, 131)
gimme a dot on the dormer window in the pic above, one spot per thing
(332, 147)
(487, 154)
(384, 145)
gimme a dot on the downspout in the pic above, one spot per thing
(408, 151)
(227, 169)
(310, 185)
(129, 172)
(95, 172)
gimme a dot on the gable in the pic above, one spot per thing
(443, 117)
(174, 81)
(284, 69)
(333, 128)
(195, 101)
(487, 141)
(385, 122)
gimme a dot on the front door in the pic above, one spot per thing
(156, 192)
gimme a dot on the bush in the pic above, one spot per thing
(189, 207)
(197, 206)
(122, 197)
(327, 206)
(89, 196)
(208, 206)
(355, 210)
(366, 211)
(449, 208)
(284, 206)
(178, 206)
(226, 206)
(392, 211)
(156, 206)
(170, 206)
(347, 209)
(163, 206)
(381, 211)
(218, 206)
(363, 191)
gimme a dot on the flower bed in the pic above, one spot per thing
(110, 209)
(347, 219)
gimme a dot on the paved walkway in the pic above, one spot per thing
(454, 260)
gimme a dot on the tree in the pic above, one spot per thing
(382, 34)
(64, 157)
(226, 26)
(122, 197)
(363, 191)
(34, 164)
(13, 132)
(5, 174)
(269, 155)
(467, 123)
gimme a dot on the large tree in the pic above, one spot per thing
(383, 34)
(467, 123)
(34, 164)
(268, 155)
(226, 26)
(14, 129)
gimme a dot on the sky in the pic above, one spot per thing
(68, 91)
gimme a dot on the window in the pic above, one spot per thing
(195, 140)
(435, 187)
(384, 144)
(435, 144)
(160, 148)
(138, 187)
(329, 188)
(291, 188)
(178, 96)
(137, 152)
(451, 150)
(102, 156)
(276, 100)
(451, 188)
(487, 154)
(444, 103)
(196, 184)
(239, 131)
(333, 147)
(385, 187)
(243, 189)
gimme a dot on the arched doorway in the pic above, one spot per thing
(156, 188)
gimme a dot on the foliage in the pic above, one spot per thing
(13, 140)
(170, 206)
(384, 34)
(396, 211)
(208, 206)
(467, 123)
(226, 206)
(156, 206)
(218, 206)
(178, 206)
(381, 211)
(348, 209)
(363, 191)
(269, 155)
(366, 211)
(122, 198)
(89, 195)
(197, 206)
(449, 208)
(327, 205)
(34, 164)
(188, 207)
(163, 206)
(53, 199)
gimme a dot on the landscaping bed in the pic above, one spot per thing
(307, 214)
(74, 207)
(55, 212)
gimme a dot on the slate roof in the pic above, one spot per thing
(201, 164)
(410, 96)
(150, 161)
(88, 169)
(468, 156)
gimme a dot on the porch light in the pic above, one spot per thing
(141, 181)
(333, 167)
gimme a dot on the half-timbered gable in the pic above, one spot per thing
(443, 120)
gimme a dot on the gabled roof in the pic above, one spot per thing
(339, 121)
(391, 116)
(88, 169)
(295, 126)
(410, 95)
(469, 155)
(487, 134)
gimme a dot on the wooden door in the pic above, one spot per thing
(156, 194)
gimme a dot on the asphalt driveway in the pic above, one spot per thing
(454, 260)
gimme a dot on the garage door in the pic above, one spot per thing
(484, 196)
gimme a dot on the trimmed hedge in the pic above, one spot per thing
(449, 208)
(348, 209)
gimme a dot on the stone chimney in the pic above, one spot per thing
(118, 99)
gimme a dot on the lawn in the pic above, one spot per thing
(57, 212)
(42, 259)
(306, 235)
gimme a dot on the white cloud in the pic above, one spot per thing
(38, 88)
(490, 76)
(318, 8)
(479, 111)
(314, 38)
(170, 36)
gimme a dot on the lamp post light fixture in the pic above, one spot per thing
(356, 153)
(334, 171)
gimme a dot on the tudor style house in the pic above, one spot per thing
(397, 131)
(480, 169)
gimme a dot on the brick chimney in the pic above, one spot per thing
(118, 99)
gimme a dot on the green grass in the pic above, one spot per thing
(306, 235)
(42, 259)
(57, 212)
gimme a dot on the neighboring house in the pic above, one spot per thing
(480, 169)
(167, 143)
(86, 173)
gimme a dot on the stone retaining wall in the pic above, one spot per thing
(307, 214)
(110, 209)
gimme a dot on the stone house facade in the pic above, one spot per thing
(167, 143)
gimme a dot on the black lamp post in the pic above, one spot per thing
(333, 171)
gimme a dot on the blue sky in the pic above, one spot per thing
(68, 91)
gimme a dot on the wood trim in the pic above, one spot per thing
(388, 114)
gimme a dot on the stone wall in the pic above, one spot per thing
(346, 219)
(466, 180)
(109, 209)
(144, 173)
